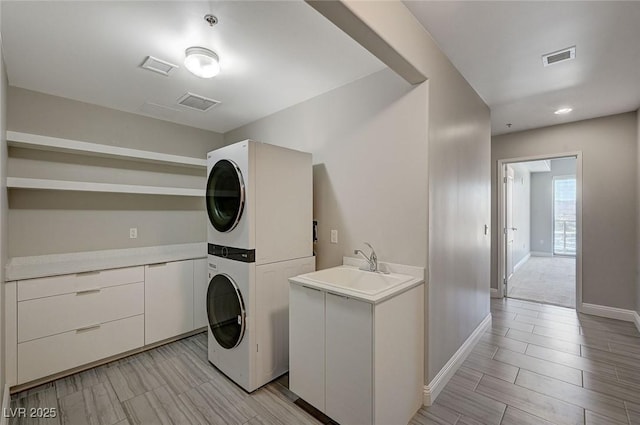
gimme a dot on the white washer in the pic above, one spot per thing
(248, 313)
(259, 202)
(259, 198)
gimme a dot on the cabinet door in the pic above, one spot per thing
(349, 390)
(200, 285)
(306, 344)
(168, 300)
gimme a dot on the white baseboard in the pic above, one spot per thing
(494, 293)
(521, 262)
(434, 388)
(6, 404)
(610, 312)
(636, 320)
(540, 254)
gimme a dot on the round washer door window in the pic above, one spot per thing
(225, 195)
(225, 308)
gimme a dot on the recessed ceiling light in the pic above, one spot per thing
(202, 62)
(563, 111)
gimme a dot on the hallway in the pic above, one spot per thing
(543, 364)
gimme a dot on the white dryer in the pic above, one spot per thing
(248, 313)
(259, 202)
(259, 198)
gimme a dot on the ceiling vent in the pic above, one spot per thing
(158, 65)
(559, 56)
(197, 102)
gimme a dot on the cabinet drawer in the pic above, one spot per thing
(71, 283)
(46, 356)
(42, 317)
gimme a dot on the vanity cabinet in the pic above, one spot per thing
(359, 362)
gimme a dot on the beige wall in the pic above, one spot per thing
(42, 222)
(368, 141)
(3, 205)
(459, 191)
(609, 163)
(638, 212)
(38, 113)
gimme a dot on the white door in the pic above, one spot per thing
(509, 229)
(348, 360)
(168, 300)
(306, 344)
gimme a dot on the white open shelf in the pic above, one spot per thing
(46, 184)
(54, 144)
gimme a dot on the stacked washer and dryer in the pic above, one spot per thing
(259, 202)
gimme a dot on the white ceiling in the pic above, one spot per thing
(497, 46)
(273, 55)
(536, 166)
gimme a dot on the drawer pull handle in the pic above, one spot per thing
(89, 291)
(158, 264)
(313, 289)
(89, 273)
(87, 328)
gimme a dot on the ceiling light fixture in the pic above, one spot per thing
(202, 62)
(563, 111)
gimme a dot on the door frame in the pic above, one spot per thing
(501, 217)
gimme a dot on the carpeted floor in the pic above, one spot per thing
(550, 280)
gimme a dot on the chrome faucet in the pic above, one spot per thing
(371, 259)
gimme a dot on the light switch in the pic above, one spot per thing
(133, 233)
(334, 236)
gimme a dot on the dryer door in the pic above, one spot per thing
(225, 195)
(226, 311)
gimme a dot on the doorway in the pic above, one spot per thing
(539, 218)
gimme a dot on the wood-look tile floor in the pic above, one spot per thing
(544, 364)
(538, 364)
(171, 384)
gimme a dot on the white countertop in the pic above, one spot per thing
(415, 277)
(20, 268)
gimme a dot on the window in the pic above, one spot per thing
(564, 215)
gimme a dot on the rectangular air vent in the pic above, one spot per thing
(197, 102)
(559, 56)
(158, 65)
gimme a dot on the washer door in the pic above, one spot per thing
(226, 312)
(225, 195)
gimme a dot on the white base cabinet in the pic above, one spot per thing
(168, 300)
(52, 354)
(358, 362)
(57, 323)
